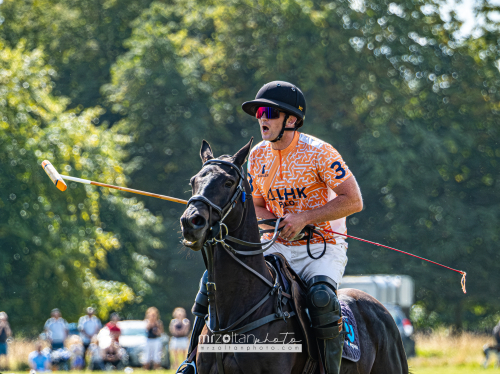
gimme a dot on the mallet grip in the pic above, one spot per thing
(54, 175)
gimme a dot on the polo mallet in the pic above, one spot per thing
(58, 180)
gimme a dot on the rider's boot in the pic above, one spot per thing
(200, 310)
(325, 314)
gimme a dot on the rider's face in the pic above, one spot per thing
(270, 128)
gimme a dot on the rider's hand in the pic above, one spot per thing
(292, 224)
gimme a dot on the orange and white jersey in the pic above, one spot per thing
(298, 178)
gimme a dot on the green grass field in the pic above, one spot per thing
(453, 370)
(437, 353)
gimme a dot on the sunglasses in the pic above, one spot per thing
(271, 113)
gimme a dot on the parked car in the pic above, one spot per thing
(133, 338)
(405, 328)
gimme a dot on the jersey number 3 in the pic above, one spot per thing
(339, 168)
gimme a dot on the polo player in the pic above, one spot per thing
(304, 181)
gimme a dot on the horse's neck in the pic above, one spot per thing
(238, 289)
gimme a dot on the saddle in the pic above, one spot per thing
(295, 286)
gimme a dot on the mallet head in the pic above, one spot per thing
(54, 175)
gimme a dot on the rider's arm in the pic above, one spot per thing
(347, 202)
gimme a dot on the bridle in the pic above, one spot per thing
(216, 236)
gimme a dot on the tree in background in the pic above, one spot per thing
(57, 249)
(81, 39)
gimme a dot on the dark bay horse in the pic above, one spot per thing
(238, 289)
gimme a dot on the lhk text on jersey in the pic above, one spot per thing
(298, 178)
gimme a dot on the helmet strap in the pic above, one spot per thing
(283, 129)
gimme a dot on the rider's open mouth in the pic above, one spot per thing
(265, 128)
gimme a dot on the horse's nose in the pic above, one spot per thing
(195, 221)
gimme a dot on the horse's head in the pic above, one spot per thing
(215, 183)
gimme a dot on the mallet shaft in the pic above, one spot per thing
(139, 192)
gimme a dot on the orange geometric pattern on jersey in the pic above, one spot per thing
(298, 178)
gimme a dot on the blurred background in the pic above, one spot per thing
(123, 92)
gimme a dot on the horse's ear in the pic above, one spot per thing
(205, 151)
(240, 157)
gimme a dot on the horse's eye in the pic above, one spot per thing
(228, 184)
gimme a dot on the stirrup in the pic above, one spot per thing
(187, 368)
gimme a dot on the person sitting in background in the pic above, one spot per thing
(88, 325)
(114, 354)
(56, 329)
(154, 329)
(95, 355)
(38, 360)
(112, 325)
(179, 328)
(5, 333)
(489, 349)
(77, 351)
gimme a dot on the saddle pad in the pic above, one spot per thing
(352, 349)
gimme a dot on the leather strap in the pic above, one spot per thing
(261, 322)
(325, 319)
(220, 365)
(310, 231)
(266, 245)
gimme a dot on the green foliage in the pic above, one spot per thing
(56, 251)
(82, 38)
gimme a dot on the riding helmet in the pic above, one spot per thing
(282, 95)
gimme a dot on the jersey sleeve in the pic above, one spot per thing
(251, 174)
(331, 167)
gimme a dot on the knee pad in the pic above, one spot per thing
(324, 307)
(200, 307)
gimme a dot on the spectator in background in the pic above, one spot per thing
(496, 335)
(5, 333)
(39, 360)
(95, 354)
(77, 350)
(154, 328)
(179, 329)
(112, 325)
(114, 354)
(56, 329)
(89, 326)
